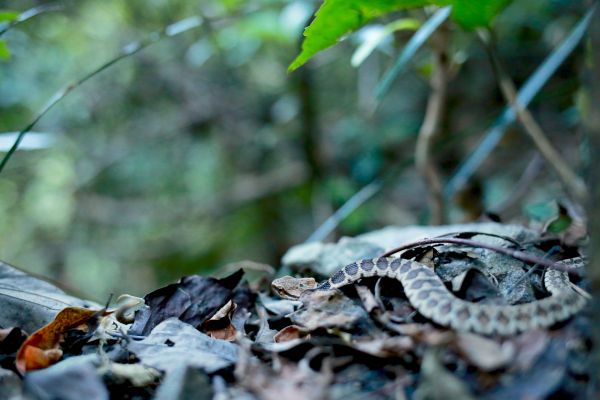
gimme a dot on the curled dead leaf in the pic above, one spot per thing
(41, 349)
(37, 358)
(219, 326)
(288, 333)
(126, 307)
(224, 312)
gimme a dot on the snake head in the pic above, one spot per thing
(291, 288)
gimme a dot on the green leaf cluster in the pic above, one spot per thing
(6, 16)
(336, 18)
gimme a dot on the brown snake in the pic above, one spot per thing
(430, 297)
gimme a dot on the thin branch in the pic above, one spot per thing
(526, 93)
(127, 51)
(28, 14)
(358, 199)
(574, 185)
(517, 254)
(430, 128)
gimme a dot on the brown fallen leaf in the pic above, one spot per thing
(41, 349)
(228, 333)
(288, 333)
(37, 358)
(219, 326)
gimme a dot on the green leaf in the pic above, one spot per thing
(561, 222)
(475, 14)
(336, 18)
(4, 52)
(7, 15)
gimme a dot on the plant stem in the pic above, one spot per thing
(430, 128)
(574, 185)
(129, 50)
(517, 254)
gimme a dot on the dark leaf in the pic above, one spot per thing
(194, 299)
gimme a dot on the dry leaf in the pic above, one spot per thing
(34, 352)
(288, 333)
(219, 326)
(36, 358)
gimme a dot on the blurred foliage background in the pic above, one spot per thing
(202, 150)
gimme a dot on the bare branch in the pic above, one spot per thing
(430, 128)
(574, 185)
(129, 50)
(517, 254)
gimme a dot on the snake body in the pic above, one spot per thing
(430, 297)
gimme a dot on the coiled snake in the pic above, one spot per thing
(430, 297)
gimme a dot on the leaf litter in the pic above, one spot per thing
(210, 338)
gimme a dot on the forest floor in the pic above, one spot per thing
(233, 337)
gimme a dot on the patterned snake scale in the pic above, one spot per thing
(428, 294)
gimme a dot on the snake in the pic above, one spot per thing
(432, 299)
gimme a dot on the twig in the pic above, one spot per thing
(526, 93)
(129, 50)
(549, 253)
(461, 235)
(430, 128)
(574, 185)
(517, 254)
(346, 209)
(32, 12)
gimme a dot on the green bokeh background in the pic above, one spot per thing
(202, 150)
